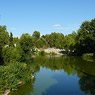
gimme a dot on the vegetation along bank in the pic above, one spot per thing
(16, 53)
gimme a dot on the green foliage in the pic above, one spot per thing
(52, 53)
(70, 41)
(42, 53)
(36, 35)
(41, 43)
(4, 37)
(88, 55)
(10, 55)
(56, 40)
(12, 74)
(83, 41)
(24, 46)
(47, 38)
(11, 40)
(15, 40)
(86, 38)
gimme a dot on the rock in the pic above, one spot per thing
(55, 50)
(19, 83)
(32, 77)
(6, 92)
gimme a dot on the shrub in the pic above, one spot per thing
(42, 53)
(53, 53)
(88, 55)
(12, 74)
(10, 54)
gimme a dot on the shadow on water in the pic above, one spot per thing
(63, 52)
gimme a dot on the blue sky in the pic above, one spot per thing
(45, 16)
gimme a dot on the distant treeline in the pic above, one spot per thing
(80, 42)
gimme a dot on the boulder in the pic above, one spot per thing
(6, 92)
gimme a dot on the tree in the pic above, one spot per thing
(24, 46)
(11, 55)
(86, 38)
(59, 40)
(36, 35)
(11, 40)
(47, 38)
(15, 40)
(56, 40)
(41, 43)
(70, 41)
(4, 37)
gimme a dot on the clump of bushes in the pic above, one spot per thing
(12, 74)
(53, 53)
(90, 55)
(10, 55)
(42, 53)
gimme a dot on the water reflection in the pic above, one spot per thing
(25, 89)
(60, 75)
(87, 84)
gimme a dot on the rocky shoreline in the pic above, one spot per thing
(55, 50)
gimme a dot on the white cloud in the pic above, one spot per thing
(68, 27)
(12, 29)
(57, 25)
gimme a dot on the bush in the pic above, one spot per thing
(12, 74)
(10, 55)
(88, 55)
(53, 53)
(42, 53)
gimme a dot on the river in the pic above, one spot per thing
(60, 76)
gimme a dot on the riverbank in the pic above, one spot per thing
(13, 75)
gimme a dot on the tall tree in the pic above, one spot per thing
(41, 43)
(4, 36)
(70, 41)
(56, 40)
(25, 46)
(36, 35)
(11, 40)
(86, 38)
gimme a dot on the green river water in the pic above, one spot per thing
(60, 76)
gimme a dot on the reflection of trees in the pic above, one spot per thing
(71, 65)
(87, 84)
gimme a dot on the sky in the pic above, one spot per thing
(45, 16)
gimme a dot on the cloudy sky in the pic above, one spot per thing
(45, 16)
